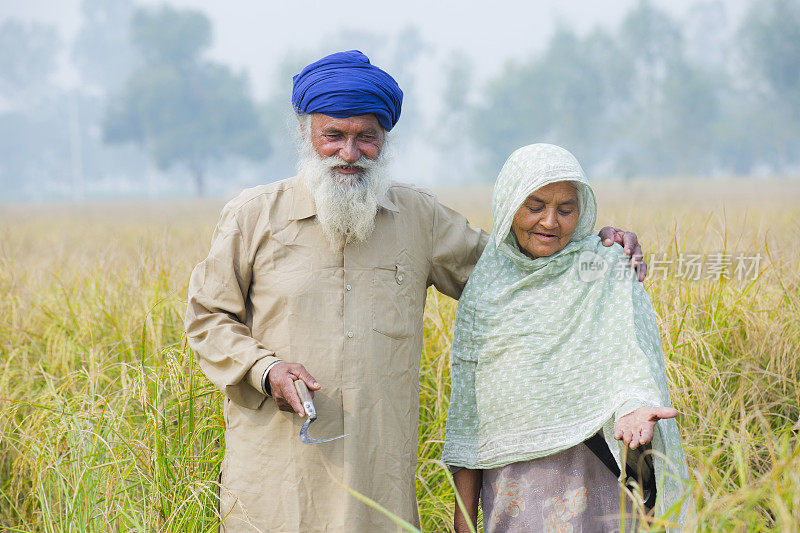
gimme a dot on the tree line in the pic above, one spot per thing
(655, 96)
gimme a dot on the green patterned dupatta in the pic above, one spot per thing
(548, 351)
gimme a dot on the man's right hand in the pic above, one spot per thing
(281, 382)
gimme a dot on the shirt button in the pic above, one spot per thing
(399, 278)
(348, 287)
(350, 334)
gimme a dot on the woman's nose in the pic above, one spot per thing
(549, 220)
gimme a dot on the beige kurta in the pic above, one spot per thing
(273, 286)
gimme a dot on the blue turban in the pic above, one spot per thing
(345, 84)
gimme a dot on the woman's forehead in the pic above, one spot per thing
(560, 191)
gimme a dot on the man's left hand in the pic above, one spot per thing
(630, 243)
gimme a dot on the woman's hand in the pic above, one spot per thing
(636, 428)
(630, 243)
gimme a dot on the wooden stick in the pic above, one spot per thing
(302, 391)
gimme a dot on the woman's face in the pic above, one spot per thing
(546, 221)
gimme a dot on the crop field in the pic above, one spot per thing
(107, 423)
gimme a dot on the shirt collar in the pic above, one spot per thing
(387, 204)
(303, 204)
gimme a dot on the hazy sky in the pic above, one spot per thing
(253, 34)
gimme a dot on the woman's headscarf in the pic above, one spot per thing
(529, 169)
(548, 351)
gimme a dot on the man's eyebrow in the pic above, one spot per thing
(334, 129)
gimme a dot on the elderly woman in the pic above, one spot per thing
(538, 394)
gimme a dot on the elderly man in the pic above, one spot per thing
(322, 277)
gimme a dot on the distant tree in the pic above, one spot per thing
(458, 82)
(409, 48)
(512, 113)
(691, 118)
(585, 81)
(568, 95)
(652, 44)
(34, 142)
(770, 45)
(34, 151)
(279, 116)
(27, 58)
(180, 107)
(102, 50)
(167, 36)
(651, 38)
(707, 33)
(460, 161)
(104, 56)
(628, 103)
(770, 36)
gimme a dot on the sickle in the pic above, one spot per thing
(311, 414)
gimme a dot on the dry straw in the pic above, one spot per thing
(106, 422)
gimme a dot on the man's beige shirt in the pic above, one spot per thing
(272, 287)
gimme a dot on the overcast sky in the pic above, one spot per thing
(253, 34)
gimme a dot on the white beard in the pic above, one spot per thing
(346, 203)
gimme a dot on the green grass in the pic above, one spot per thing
(107, 423)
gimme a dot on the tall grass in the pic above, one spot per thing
(106, 421)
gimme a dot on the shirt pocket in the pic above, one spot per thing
(392, 301)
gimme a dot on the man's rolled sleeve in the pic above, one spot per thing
(256, 374)
(216, 317)
(457, 246)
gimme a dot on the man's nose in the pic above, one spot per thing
(350, 152)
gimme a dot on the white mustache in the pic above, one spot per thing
(346, 203)
(361, 165)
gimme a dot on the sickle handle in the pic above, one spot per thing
(305, 397)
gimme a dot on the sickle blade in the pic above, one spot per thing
(311, 412)
(307, 439)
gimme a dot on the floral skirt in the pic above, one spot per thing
(571, 491)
